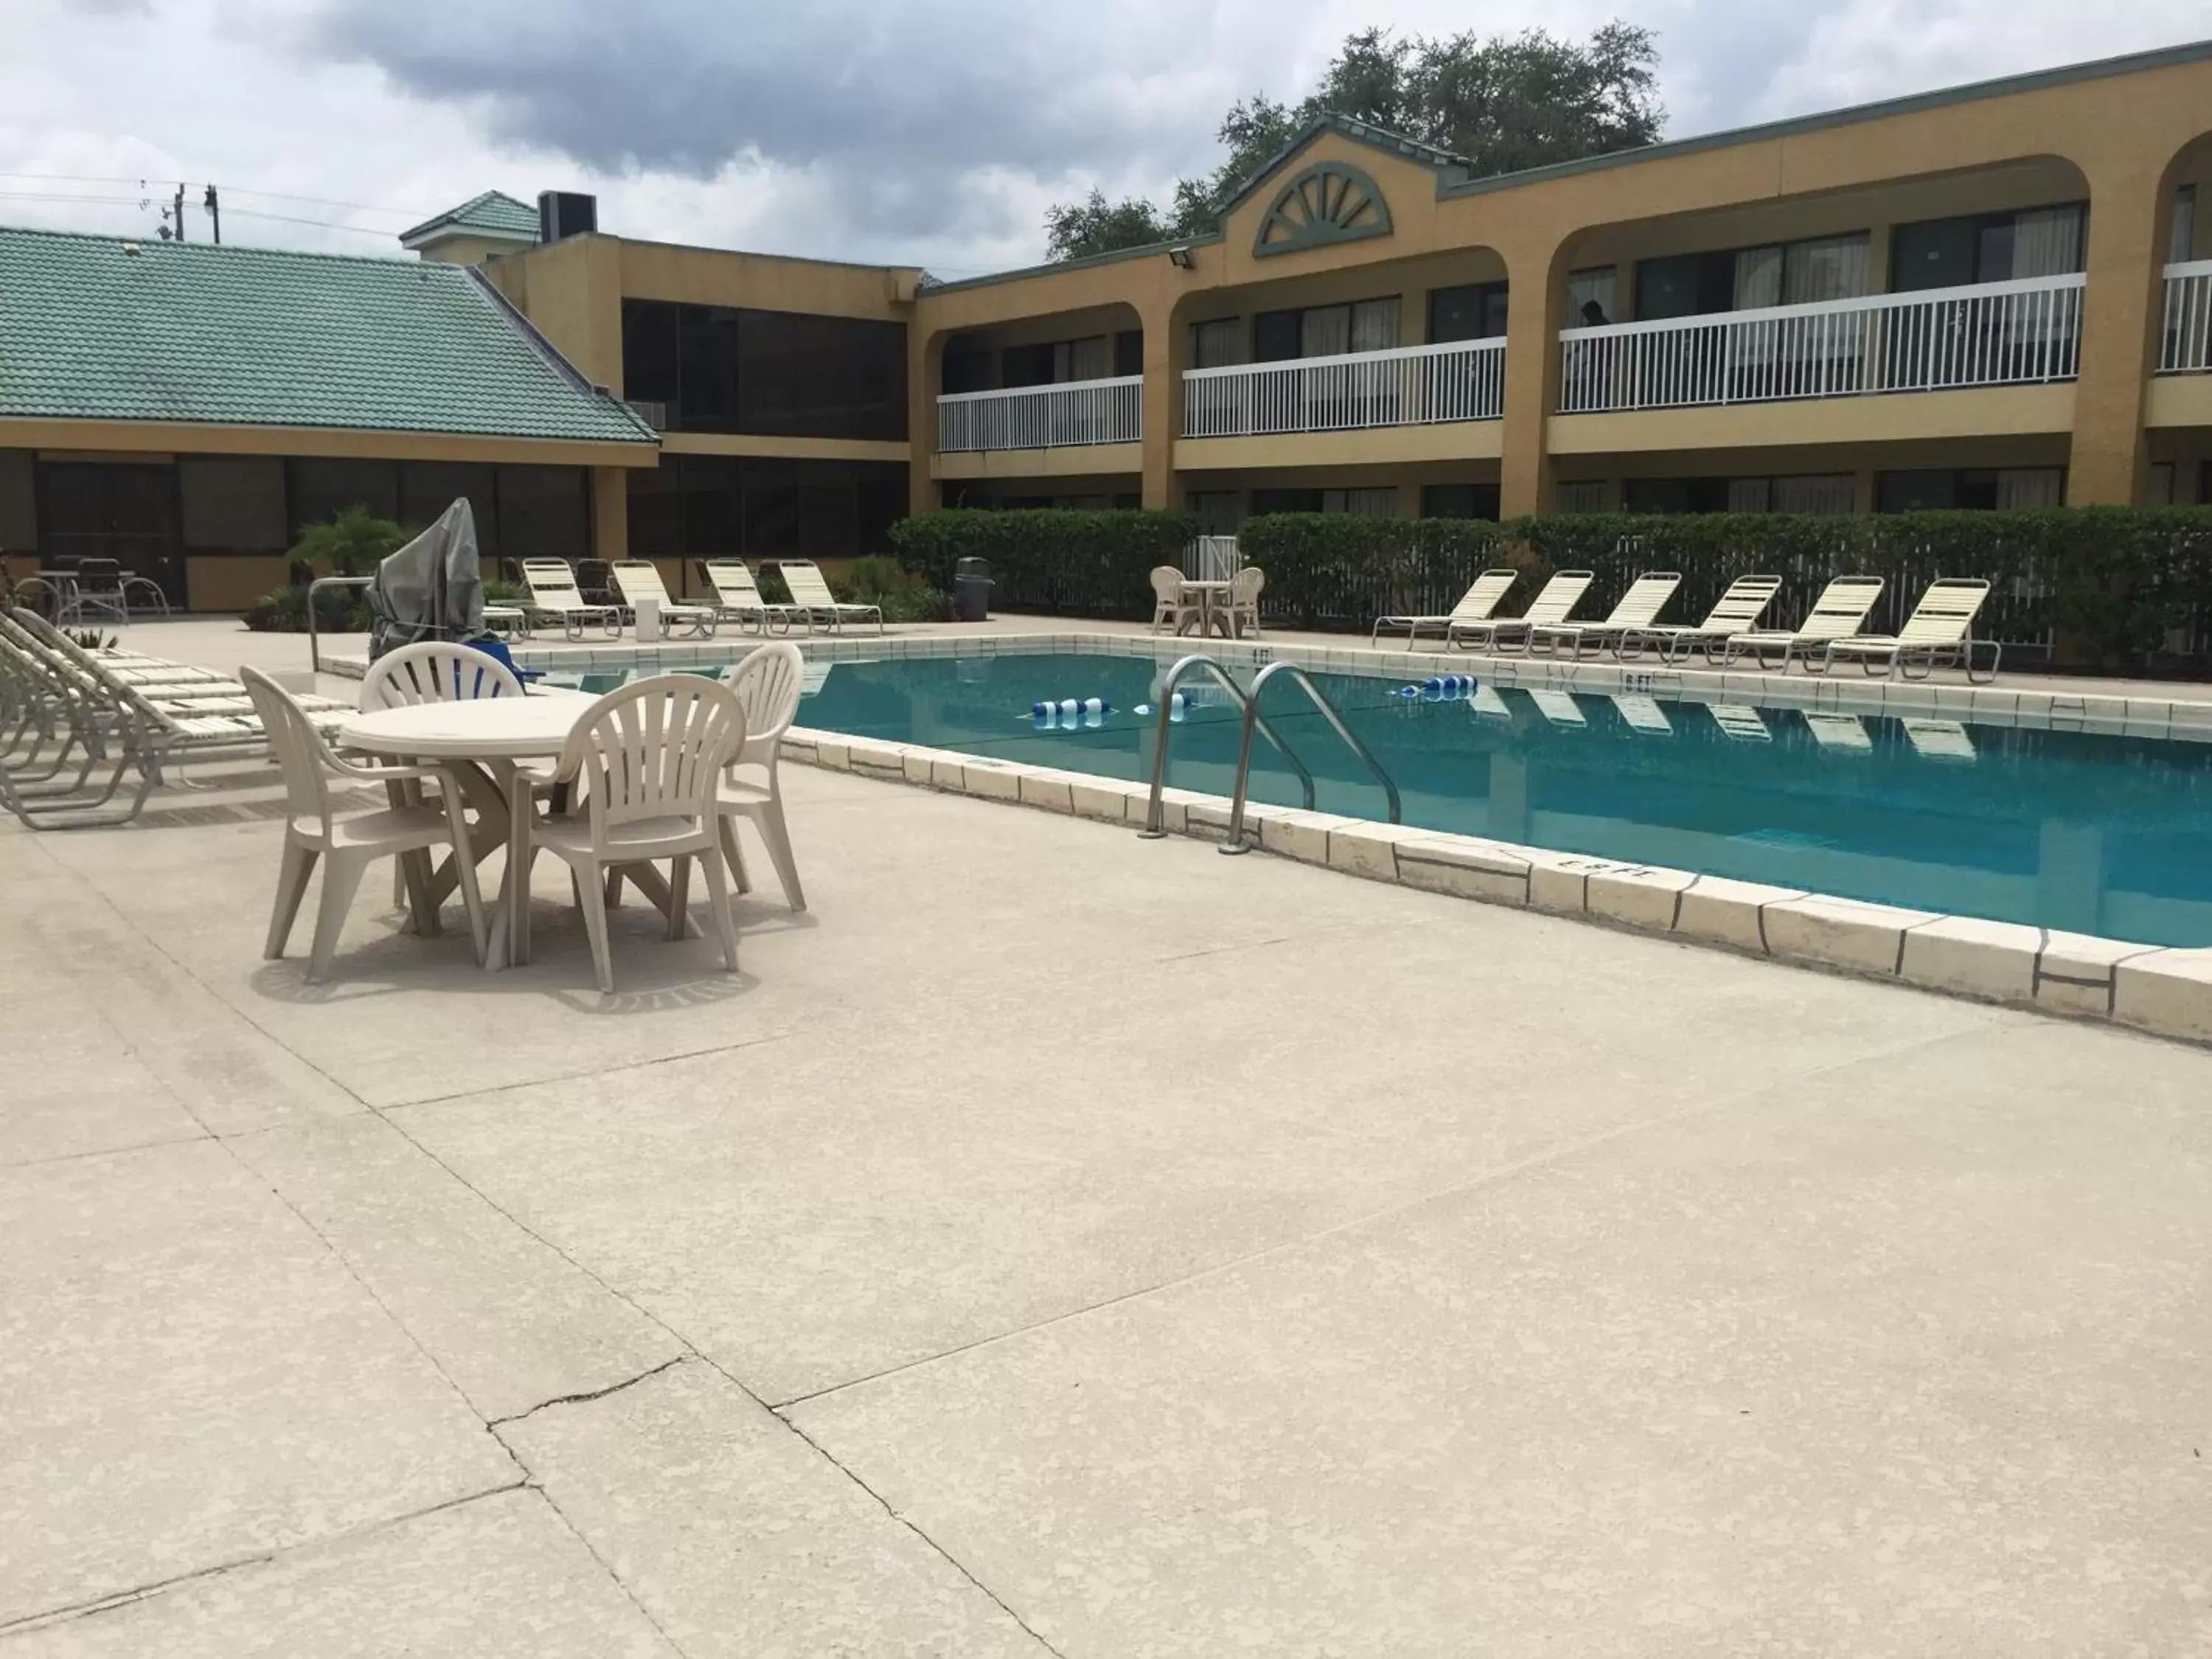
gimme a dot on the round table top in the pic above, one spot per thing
(485, 728)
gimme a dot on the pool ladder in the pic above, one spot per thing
(1253, 720)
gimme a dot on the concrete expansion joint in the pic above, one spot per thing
(589, 1394)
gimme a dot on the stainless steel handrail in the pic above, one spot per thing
(1155, 814)
(1235, 842)
(314, 646)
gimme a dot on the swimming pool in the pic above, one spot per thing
(2073, 830)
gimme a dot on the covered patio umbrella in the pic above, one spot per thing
(430, 589)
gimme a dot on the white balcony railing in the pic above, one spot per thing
(1410, 386)
(2184, 344)
(1043, 416)
(1990, 334)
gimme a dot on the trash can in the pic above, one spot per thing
(971, 590)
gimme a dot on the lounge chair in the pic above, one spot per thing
(1483, 596)
(1844, 733)
(1643, 715)
(638, 581)
(550, 592)
(1558, 706)
(1560, 596)
(1837, 614)
(1742, 721)
(1646, 597)
(1940, 740)
(1939, 633)
(737, 597)
(809, 592)
(1489, 702)
(1736, 612)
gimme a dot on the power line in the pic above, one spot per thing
(234, 190)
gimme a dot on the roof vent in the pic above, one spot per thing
(563, 213)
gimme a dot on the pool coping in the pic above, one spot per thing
(2163, 990)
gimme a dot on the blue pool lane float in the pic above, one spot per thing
(1068, 713)
(1439, 687)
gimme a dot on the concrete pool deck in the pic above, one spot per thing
(1048, 1246)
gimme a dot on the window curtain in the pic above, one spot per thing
(1325, 332)
(1587, 495)
(1375, 325)
(1758, 278)
(1826, 268)
(1090, 358)
(1748, 496)
(1835, 492)
(1213, 345)
(1361, 503)
(2047, 242)
(2023, 487)
(2181, 239)
(1586, 288)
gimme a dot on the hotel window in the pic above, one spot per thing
(2012, 488)
(1218, 512)
(1994, 247)
(1459, 501)
(1591, 297)
(1752, 278)
(1129, 352)
(1361, 503)
(226, 505)
(718, 368)
(1213, 344)
(1054, 362)
(2181, 236)
(1579, 495)
(2161, 484)
(1816, 493)
(1476, 312)
(1325, 331)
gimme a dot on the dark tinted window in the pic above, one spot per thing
(704, 507)
(712, 524)
(708, 370)
(1460, 500)
(1473, 312)
(967, 369)
(1129, 351)
(229, 505)
(1285, 500)
(318, 489)
(1939, 253)
(429, 488)
(1275, 339)
(650, 329)
(544, 512)
(821, 377)
(1676, 496)
(1027, 365)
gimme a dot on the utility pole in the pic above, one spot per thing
(179, 220)
(215, 212)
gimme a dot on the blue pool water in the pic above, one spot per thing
(2084, 832)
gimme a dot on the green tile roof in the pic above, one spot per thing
(112, 329)
(495, 212)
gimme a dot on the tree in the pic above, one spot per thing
(1506, 104)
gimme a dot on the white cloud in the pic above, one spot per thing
(929, 131)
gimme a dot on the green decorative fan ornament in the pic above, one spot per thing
(1330, 202)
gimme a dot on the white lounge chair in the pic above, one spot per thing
(738, 598)
(550, 591)
(1736, 612)
(1166, 598)
(809, 592)
(1838, 613)
(1483, 596)
(1558, 706)
(1742, 721)
(1638, 608)
(1940, 740)
(1939, 633)
(1560, 596)
(767, 682)
(1489, 702)
(1643, 715)
(650, 758)
(348, 843)
(638, 581)
(1844, 733)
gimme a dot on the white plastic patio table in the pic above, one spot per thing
(1212, 605)
(496, 734)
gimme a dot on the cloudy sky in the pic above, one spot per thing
(924, 131)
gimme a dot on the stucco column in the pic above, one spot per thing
(610, 513)
(2119, 305)
(1165, 352)
(1534, 313)
(925, 373)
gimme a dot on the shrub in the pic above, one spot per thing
(1342, 569)
(284, 610)
(904, 595)
(1053, 559)
(351, 543)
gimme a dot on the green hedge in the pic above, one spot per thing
(2113, 587)
(1063, 559)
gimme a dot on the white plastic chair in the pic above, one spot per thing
(437, 671)
(1167, 597)
(1244, 589)
(769, 683)
(649, 756)
(348, 843)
